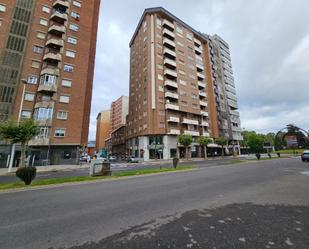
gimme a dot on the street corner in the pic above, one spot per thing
(233, 226)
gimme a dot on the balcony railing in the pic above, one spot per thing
(173, 119)
(190, 121)
(205, 123)
(61, 4)
(171, 95)
(52, 56)
(170, 73)
(197, 42)
(169, 53)
(168, 24)
(57, 30)
(203, 103)
(172, 107)
(174, 132)
(203, 94)
(171, 83)
(170, 63)
(169, 34)
(47, 88)
(201, 84)
(192, 133)
(55, 43)
(204, 113)
(200, 76)
(59, 17)
(169, 43)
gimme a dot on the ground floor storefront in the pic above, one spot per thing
(41, 155)
(166, 147)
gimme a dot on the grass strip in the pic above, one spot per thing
(53, 181)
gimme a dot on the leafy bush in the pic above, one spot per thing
(26, 174)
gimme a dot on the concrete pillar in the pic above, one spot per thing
(143, 144)
(166, 148)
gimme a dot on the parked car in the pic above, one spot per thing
(112, 159)
(132, 159)
(305, 156)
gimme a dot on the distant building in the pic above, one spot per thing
(118, 142)
(103, 129)
(119, 112)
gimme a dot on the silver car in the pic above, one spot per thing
(305, 156)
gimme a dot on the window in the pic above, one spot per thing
(43, 132)
(182, 82)
(29, 96)
(70, 54)
(68, 68)
(26, 114)
(180, 44)
(35, 64)
(190, 37)
(179, 30)
(77, 4)
(182, 72)
(46, 9)
(74, 27)
(2, 8)
(60, 132)
(37, 49)
(62, 115)
(75, 15)
(194, 96)
(41, 35)
(67, 83)
(48, 79)
(145, 26)
(43, 22)
(160, 77)
(72, 40)
(32, 79)
(43, 113)
(64, 99)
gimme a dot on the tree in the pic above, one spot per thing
(185, 140)
(21, 132)
(255, 142)
(204, 141)
(222, 141)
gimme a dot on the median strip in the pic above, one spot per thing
(75, 179)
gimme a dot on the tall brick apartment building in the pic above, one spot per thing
(174, 87)
(50, 45)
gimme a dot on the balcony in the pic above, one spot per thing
(235, 113)
(47, 88)
(232, 103)
(205, 134)
(204, 123)
(57, 30)
(171, 95)
(237, 137)
(51, 71)
(52, 57)
(170, 73)
(44, 104)
(169, 43)
(61, 4)
(198, 50)
(234, 128)
(168, 24)
(197, 42)
(170, 63)
(201, 84)
(199, 67)
(169, 53)
(171, 83)
(173, 120)
(59, 17)
(203, 103)
(200, 76)
(39, 141)
(174, 132)
(190, 121)
(45, 122)
(205, 114)
(203, 94)
(192, 133)
(172, 107)
(169, 34)
(54, 43)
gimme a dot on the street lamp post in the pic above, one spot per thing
(18, 120)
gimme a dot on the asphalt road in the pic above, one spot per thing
(175, 210)
(116, 167)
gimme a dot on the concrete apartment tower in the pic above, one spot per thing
(49, 45)
(103, 130)
(172, 90)
(224, 86)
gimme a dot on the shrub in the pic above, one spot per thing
(26, 174)
(175, 162)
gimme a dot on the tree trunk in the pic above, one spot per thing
(187, 153)
(222, 152)
(205, 151)
(23, 155)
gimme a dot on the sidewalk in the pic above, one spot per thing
(4, 171)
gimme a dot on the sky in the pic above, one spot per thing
(269, 44)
